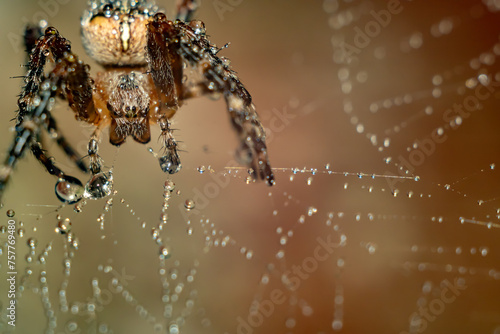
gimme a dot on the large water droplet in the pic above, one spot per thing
(11, 213)
(99, 186)
(170, 163)
(69, 189)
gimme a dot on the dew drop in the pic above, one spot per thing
(99, 186)
(311, 211)
(64, 226)
(309, 180)
(69, 189)
(10, 213)
(337, 325)
(165, 252)
(32, 242)
(169, 185)
(280, 254)
(201, 169)
(170, 163)
(189, 204)
(249, 254)
(484, 251)
(290, 323)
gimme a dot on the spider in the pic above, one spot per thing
(146, 59)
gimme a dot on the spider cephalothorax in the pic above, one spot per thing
(146, 59)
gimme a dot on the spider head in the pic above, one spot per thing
(114, 32)
(129, 109)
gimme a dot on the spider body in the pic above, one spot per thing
(146, 59)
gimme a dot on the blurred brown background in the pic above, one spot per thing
(405, 240)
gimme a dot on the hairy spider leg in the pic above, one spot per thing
(186, 9)
(165, 68)
(194, 48)
(26, 133)
(34, 114)
(31, 34)
(77, 90)
(55, 133)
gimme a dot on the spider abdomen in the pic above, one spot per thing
(116, 36)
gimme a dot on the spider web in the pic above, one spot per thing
(385, 213)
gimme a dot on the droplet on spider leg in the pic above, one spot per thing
(69, 189)
(99, 186)
(170, 163)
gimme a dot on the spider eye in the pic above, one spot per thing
(111, 109)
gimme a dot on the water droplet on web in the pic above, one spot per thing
(21, 232)
(64, 226)
(309, 180)
(170, 163)
(165, 252)
(337, 325)
(290, 323)
(249, 254)
(201, 169)
(32, 242)
(169, 185)
(99, 186)
(280, 254)
(189, 204)
(10, 213)
(69, 189)
(71, 326)
(311, 211)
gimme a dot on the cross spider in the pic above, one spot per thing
(146, 59)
